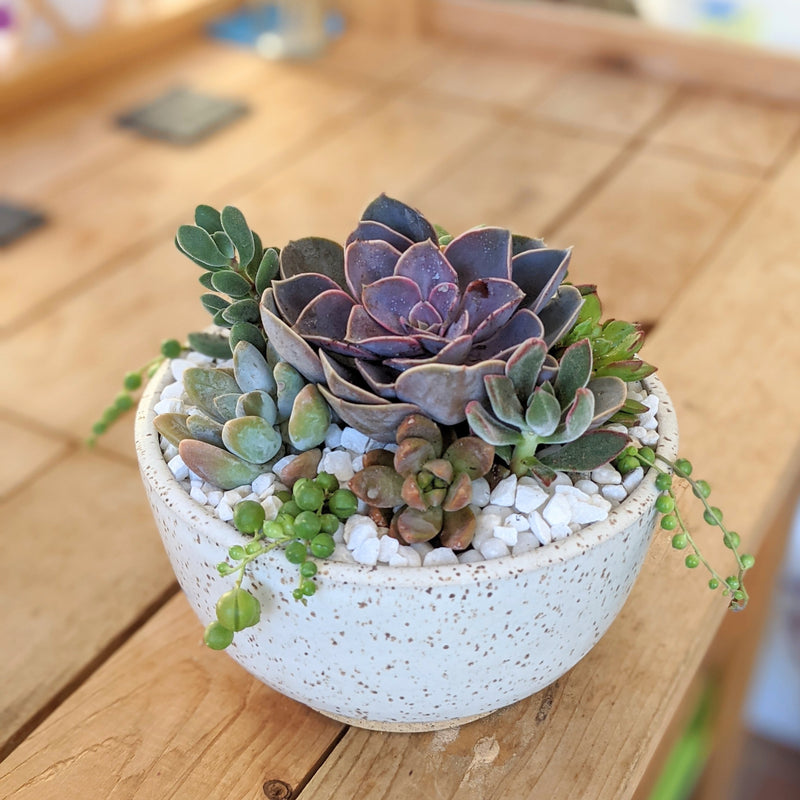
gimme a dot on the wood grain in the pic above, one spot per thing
(84, 564)
(168, 718)
(25, 452)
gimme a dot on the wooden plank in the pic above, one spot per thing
(577, 31)
(745, 130)
(84, 563)
(156, 186)
(82, 57)
(644, 234)
(523, 176)
(26, 451)
(166, 717)
(616, 101)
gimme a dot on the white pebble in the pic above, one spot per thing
(271, 505)
(338, 463)
(231, 497)
(497, 511)
(178, 365)
(651, 401)
(572, 492)
(341, 553)
(198, 495)
(484, 530)
(338, 535)
(224, 511)
(178, 468)
(411, 555)
(388, 548)
(529, 498)
(616, 427)
(637, 431)
(440, 556)
(214, 496)
(333, 438)
(517, 521)
(540, 529)
(526, 542)
(649, 438)
(359, 533)
(557, 511)
(633, 479)
(586, 513)
(172, 405)
(172, 390)
(470, 557)
(367, 551)
(507, 534)
(480, 492)
(505, 492)
(354, 440)
(649, 424)
(398, 560)
(614, 493)
(170, 451)
(605, 475)
(263, 483)
(560, 532)
(422, 549)
(198, 358)
(587, 486)
(561, 479)
(494, 548)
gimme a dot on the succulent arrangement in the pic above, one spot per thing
(462, 357)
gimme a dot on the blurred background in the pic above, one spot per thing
(118, 116)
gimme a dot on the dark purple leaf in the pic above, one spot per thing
(539, 273)
(490, 303)
(390, 300)
(341, 383)
(426, 266)
(294, 294)
(399, 217)
(326, 315)
(424, 316)
(445, 298)
(367, 262)
(522, 326)
(480, 253)
(368, 231)
(314, 254)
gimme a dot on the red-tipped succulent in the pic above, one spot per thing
(396, 323)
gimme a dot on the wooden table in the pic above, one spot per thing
(682, 203)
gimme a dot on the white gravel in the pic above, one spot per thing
(516, 516)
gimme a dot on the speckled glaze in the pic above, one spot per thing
(420, 648)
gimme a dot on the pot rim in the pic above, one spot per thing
(156, 472)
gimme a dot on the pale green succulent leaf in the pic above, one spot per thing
(207, 217)
(198, 245)
(225, 405)
(288, 382)
(576, 421)
(247, 332)
(217, 466)
(172, 427)
(203, 385)
(309, 419)
(251, 268)
(491, 430)
(543, 413)
(205, 429)
(257, 404)
(251, 438)
(219, 320)
(524, 366)
(236, 227)
(250, 368)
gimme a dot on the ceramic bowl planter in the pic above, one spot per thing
(410, 649)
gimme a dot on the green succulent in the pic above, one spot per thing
(534, 405)
(431, 484)
(243, 417)
(236, 271)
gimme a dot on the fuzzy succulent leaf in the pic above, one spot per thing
(230, 283)
(267, 270)
(214, 345)
(543, 413)
(610, 395)
(224, 244)
(251, 268)
(198, 244)
(525, 365)
(217, 466)
(205, 280)
(246, 310)
(208, 218)
(241, 236)
(504, 401)
(309, 420)
(313, 254)
(484, 425)
(214, 303)
(589, 452)
(574, 370)
(576, 421)
(172, 427)
(247, 332)
(251, 438)
(378, 485)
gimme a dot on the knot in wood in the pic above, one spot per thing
(277, 790)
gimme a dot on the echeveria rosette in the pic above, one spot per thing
(528, 413)
(394, 324)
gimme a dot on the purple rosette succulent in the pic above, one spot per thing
(396, 323)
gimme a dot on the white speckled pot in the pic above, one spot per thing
(405, 649)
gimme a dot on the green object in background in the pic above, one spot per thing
(688, 757)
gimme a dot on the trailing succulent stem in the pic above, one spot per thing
(733, 585)
(304, 528)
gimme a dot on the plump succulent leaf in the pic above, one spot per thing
(203, 386)
(421, 427)
(230, 283)
(172, 427)
(412, 454)
(214, 303)
(628, 371)
(267, 270)
(208, 218)
(378, 485)
(288, 383)
(224, 244)
(246, 332)
(217, 466)
(415, 526)
(576, 420)
(309, 420)
(226, 404)
(504, 401)
(251, 438)
(257, 404)
(459, 493)
(205, 429)
(484, 425)
(303, 466)
(543, 413)
(471, 456)
(250, 369)
(242, 311)
(458, 528)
